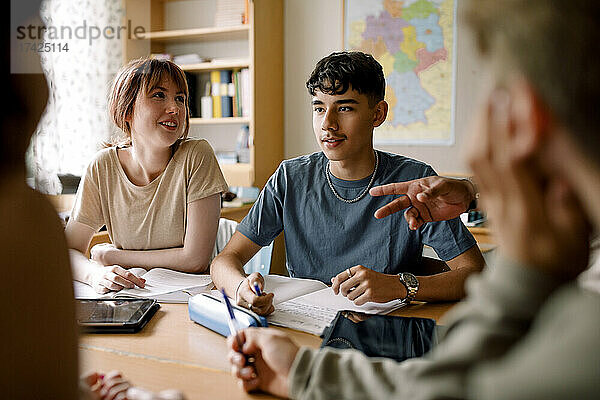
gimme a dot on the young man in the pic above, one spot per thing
(526, 330)
(321, 201)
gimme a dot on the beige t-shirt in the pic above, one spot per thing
(152, 216)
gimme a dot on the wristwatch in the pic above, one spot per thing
(411, 283)
(474, 202)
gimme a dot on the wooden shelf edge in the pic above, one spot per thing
(211, 66)
(219, 121)
(197, 33)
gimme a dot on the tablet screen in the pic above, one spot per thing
(387, 336)
(111, 311)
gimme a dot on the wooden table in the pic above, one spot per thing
(174, 352)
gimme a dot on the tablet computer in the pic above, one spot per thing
(387, 336)
(115, 315)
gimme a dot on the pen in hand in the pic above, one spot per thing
(233, 329)
(257, 289)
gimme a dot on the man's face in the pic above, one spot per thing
(343, 124)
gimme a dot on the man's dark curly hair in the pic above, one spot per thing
(335, 73)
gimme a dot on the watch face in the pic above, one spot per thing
(410, 280)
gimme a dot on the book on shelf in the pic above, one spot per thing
(235, 77)
(206, 102)
(215, 80)
(309, 305)
(229, 92)
(162, 284)
(226, 98)
(245, 92)
(192, 80)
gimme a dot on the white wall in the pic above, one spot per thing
(313, 29)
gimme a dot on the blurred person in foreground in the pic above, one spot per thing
(526, 329)
(39, 334)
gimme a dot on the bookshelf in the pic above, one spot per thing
(187, 26)
(220, 121)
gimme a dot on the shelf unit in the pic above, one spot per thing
(257, 46)
(216, 33)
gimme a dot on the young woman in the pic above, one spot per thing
(157, 192)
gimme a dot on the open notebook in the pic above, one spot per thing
(164, 285)
(309, 305)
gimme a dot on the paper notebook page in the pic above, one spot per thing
(137, 271)
(180, 296)
(83, 291)
(326, 298)
(314, 311)
(162, 280)
(285, 288)
(302, 317)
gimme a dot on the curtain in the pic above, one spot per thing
(76, 120)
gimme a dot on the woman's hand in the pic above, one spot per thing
(112, 386)
(113, 277)
(104, 253)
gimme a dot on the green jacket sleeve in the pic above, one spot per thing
(483, 346)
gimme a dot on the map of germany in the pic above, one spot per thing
(413, 40)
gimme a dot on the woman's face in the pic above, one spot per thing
(158, 117)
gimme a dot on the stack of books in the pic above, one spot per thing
(230, 91)
(187, 59)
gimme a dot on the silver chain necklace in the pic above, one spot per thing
(363, 193)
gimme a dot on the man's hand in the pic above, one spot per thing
(104, 253)
(535, 215)
(433, 198)
(246, 297)
(367, 285)
(114, 277)
(273, 353)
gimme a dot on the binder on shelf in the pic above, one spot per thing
(245, 93)
(206, 103)
(226, 98)
(215, 80)
(192, 101)
(235, 77)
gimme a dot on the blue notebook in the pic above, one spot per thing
(211, 312)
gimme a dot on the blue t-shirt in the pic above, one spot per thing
(324, 235)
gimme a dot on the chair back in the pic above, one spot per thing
(261, 262)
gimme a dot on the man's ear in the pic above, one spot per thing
(381, 110)
(529, 119)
